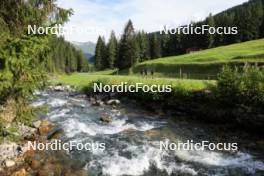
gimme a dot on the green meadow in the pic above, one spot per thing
(82, 80)
(205, 64)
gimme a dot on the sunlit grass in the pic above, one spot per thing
(207, 63)
(84, 79)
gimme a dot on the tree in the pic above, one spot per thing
(100, 54)
(128, 49)
(257, 18)
(143, 46)
(112, 50)
(210, 38)
(82, 63)
(155, 48)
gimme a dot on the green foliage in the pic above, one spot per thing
(112, 51)
(100, 54)
(18, 14)
(155, 50)
(24, 73)
(244, 87)
(8, 133)
(25, 59)
(64, 57)
(210, 37)
(128, 48)
(143, 43)
(23, 65)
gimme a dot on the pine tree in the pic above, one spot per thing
(155, 48)
(210, 37)
(104, 51)
(99, 54)
(82, 63)
(128, 49)
(112, 50)
(143, 44)
(257, 18)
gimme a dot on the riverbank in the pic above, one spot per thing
(18, 158)
(194, 99)
(131, 132)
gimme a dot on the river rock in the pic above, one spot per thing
(35, 164)
(21, 172)
(8, 151)
(37, 124)
(63, 88)
(26, 131)
(106, 118)
(97, 103)
(9, 163)
(113, 102)
(45, 127)
(55, 134)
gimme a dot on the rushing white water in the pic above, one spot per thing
(131, 142)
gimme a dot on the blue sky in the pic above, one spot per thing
(102, 16)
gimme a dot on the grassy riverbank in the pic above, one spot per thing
(234, 99)
(83, 79)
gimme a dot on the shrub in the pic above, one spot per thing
(245, 87)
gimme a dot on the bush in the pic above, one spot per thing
(245, 87)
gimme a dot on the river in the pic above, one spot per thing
(132, 141)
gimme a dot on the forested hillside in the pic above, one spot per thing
(138, 46)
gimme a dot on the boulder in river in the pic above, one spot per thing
(106, 118)
(35, 164)
(55, 134)
(113, 102)
(45, 127)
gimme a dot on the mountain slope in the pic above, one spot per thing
(87, 47)
(206, 63)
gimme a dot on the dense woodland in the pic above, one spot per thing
(25, 59)
(138, 46)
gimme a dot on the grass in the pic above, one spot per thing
(82, 80)
(208, 63)
(104, 72)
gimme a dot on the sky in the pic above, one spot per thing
(98, 17)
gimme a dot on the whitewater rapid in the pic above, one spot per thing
(131, 142)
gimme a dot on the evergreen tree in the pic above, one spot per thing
(25, 58)
(82, 64)
(143, 46)
(210, 37)
(112, 50)
(104, 51)
(128, 49)
(155, 48)
(257, 18)
(100, 54)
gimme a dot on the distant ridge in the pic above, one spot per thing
(87, 47)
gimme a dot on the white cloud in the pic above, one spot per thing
(146, 15)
